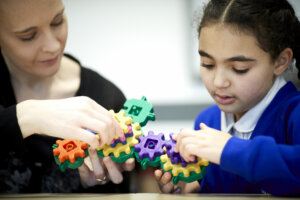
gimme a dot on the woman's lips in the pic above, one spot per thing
(50, 61)
(223, 99)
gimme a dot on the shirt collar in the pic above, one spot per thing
(247, 122)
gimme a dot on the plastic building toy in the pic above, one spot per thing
(191, 172)
(69, 153)
(151, 150)
(140, 110)
(175, 157)
(121, 152)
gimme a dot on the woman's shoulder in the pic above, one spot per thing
(99, 88)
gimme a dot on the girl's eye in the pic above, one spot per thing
(209, 66)
(28, 38)
(240, 71)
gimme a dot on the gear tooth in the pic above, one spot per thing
(69, 150)
(150, 146)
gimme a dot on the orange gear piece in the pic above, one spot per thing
(69, 150)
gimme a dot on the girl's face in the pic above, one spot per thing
(33, 34)
(235, 70)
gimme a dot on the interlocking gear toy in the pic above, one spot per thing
(175, 157)
(121, 152)
(140, 110)
(149, 150)
(69, 153)
(191, 172)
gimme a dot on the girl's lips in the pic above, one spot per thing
(224, 100)
(50, 61)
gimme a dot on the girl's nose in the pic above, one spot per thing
(220, 79)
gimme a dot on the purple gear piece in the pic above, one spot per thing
(122, 140)
(175, 157)
(150, 146)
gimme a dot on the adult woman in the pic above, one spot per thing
(37, 104)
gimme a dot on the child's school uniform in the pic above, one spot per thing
(263, 156)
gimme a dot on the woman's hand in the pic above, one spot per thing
(98, 171)
(207, 143)
(68, 118)
(166, 185)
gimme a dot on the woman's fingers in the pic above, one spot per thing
(129, 164)
(98, 169)
(114, 170)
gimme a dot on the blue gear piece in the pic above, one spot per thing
(139, 110)
(150, 146)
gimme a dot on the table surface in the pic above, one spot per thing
(137, 196)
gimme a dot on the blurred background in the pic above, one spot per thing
(147, 48)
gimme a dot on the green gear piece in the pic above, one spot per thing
(67, 164)
(139, 110)
(193, 176)
(190, 173)
(146, 161)
(121, 159)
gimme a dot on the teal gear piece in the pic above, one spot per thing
(140, 111)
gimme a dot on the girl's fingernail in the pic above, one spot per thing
(177, 190)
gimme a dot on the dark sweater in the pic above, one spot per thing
(27, 165)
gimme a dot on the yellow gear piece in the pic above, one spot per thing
(119, 148)
(123, 120)
(177, 168)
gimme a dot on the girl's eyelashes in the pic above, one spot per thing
(240, 71)
(209, 66)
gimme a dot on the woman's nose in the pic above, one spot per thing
(51, 43)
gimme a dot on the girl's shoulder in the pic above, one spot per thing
(211, 116)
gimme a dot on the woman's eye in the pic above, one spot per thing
(57, 22)
(209, 66)
(240, 71)
(28, 38)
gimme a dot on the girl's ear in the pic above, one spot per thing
(283, 61)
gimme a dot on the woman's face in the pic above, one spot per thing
(33, 34)
(235, 70)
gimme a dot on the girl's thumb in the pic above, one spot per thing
(203, 126)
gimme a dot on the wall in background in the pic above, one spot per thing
(147, 48)
(143, 46)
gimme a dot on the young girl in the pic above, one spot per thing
(251, 137)
(38, 105)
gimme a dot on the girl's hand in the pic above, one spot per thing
(98, 171)
(68, 118)
(207, 143)
(166, 185)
